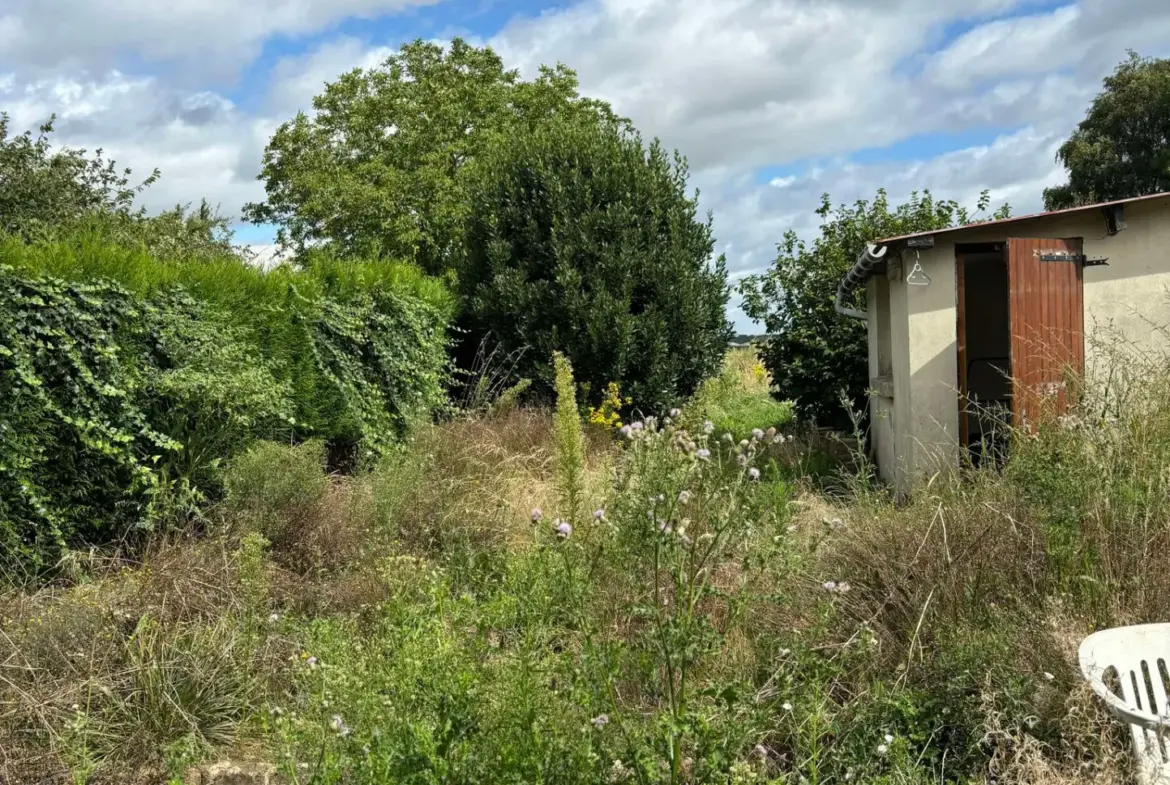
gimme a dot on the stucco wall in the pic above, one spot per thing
(1130, 297)
(933, 402)
(889, 363)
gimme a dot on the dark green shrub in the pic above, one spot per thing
(583, 240)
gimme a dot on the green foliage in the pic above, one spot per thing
(1122, 147)
(705, 627)
(114, 408)
(191, 689)
(48, 192)
(509, 399)
(274, 486)
(378, 169)
(582, 240)
(45, 189)
(411, 700)
(683, 513)
(814, 353)
(125, 381)
(740, 399)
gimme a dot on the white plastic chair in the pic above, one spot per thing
(1141, 656)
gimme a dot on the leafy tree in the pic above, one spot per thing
(1122, 147)
(45, 192)
(377, 170)
(583, 240)
(42, 188)
(814, 353)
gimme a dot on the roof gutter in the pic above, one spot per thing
(870, 258)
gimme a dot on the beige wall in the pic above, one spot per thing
(1131, 295)
(889, 362)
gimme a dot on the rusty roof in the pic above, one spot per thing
(1031, 217)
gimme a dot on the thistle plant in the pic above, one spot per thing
(683, 511)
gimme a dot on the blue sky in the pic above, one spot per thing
(773, 101)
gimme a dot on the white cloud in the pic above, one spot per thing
(195, 138)
(296, 80)
(209, 38)
(1025, 44)
(749, 82)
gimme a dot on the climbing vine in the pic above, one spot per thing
(117, 407)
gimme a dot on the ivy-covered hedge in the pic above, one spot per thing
(125, 380)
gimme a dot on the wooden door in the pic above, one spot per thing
(1047, 311)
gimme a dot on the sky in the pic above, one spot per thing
(774, 102)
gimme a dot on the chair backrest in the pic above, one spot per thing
(1140, 656)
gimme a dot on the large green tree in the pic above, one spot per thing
(813, 353)
(581, 239)
(1122, 147)
(377, 168)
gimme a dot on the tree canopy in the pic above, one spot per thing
(815, 354)
(581, 239)
(1122, 147)
(377, 169)
(41, 187)
(47, 191)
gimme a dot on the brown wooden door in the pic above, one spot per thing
(1046, 304)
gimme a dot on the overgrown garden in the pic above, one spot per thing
(470, 490)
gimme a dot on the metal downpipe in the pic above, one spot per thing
(871, 257)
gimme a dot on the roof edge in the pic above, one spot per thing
(1028, 217)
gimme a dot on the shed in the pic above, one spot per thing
(983, 324)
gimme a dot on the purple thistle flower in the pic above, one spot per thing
(753, 473)
(339, 727)
(599, 515)
(600, 721)
(757, 434)
(829, 586)
(684, 497)
(703, 455)
(675, 413)
(636, 426)
(563, 528)
(626, 431)
(708, 426)
(536, 515)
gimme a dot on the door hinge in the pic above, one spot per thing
(1061, 256)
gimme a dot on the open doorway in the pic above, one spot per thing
(985, 347)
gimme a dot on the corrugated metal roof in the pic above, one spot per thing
(1030, 217)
